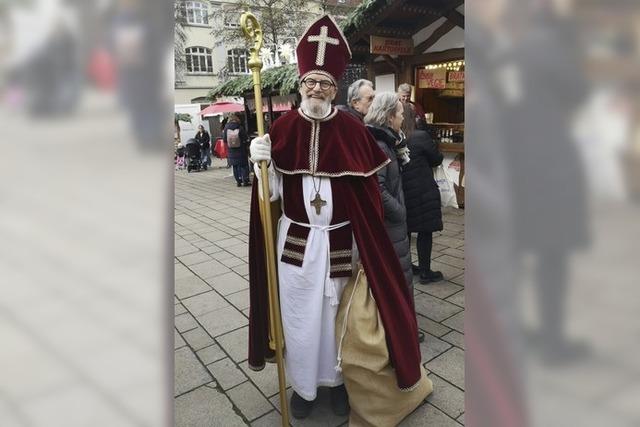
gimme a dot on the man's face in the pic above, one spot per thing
(365, 98)
(404, 96)
(315, 93)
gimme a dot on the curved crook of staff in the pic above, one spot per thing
(252, 30)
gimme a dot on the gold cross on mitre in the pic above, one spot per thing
(318, 203)
(322, 39)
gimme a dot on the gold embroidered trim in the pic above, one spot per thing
(296, 241)
(291, 254)
(332, 174)
(316, 146)
(332, 114)
(337, 254)
(311, 142)
(340, 267)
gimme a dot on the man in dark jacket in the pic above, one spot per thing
(404, 93)
(421, 196)
(359, 98)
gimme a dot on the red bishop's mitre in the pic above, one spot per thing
(323, 49)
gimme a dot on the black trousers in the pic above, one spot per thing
(552, 294)
(424, 245)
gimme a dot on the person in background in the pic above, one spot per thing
(384, 121)
(359, 98)
(235, 137)
(404, 93)
(204, 140)
(223, 124)
(140, 49)
(421, 195)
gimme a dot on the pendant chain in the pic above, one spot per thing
(313, 180)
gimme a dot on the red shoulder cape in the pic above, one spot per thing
(337, 145)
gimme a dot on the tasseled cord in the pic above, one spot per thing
(338, 367)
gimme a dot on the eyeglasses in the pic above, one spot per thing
(311, 84)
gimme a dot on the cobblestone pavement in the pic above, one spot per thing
(213, 385)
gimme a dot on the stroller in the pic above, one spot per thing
(181, 158)
(194, 156)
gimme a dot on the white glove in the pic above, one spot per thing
(260, 149)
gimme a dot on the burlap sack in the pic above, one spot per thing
(370, 380)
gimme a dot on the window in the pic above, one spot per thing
(199, 60)
(237, 61)
(197, 13)
(232, 20)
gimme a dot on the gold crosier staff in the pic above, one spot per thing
(252, 30)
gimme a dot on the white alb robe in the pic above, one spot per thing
(308, 296)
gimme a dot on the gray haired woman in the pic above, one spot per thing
(384, 121)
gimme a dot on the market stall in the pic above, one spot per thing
(420, 43)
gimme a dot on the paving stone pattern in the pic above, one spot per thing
(213, 384)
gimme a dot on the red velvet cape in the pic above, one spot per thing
(358, 194)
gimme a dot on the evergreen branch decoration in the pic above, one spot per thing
(183, 117)
(355, 19)
(283, 80)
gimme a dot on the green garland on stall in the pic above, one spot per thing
(358, 16)
(183, 117)
(282, 79)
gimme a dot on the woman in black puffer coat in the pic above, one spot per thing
(422, 197)
(383, 121)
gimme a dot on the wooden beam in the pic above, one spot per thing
(454, 4)
(421, 10)
(392, 32)
(380, 68)
(392, 62)
(430, 58)
(360, 49)
(371, 74)
(455, 17)
(434, 37)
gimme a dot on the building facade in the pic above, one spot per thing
(208, 61)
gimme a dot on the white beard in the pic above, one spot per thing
(315, 110)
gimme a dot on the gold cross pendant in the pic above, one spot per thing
(318, 203)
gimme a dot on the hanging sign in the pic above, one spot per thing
(455, 76)
(389, 46)
(432, 79)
